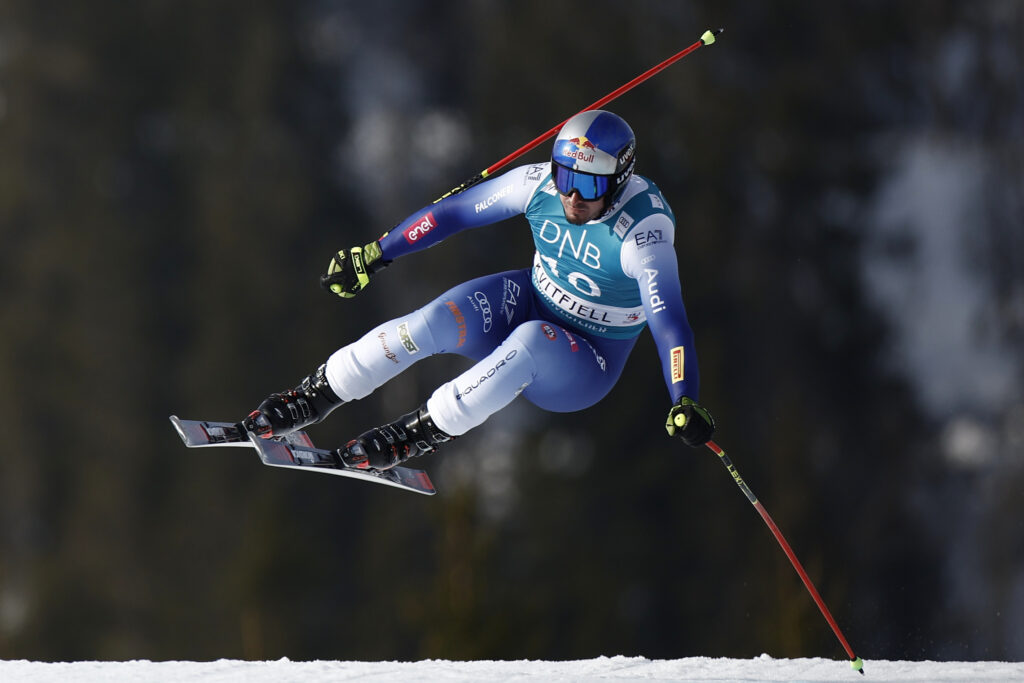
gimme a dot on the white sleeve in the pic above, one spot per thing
(640, 246)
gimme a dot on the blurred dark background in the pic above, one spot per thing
(849, 188)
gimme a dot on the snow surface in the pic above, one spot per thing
(604, 669)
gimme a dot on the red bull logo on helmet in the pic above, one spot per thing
(580, 148)
(579, 152)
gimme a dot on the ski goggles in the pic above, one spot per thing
(590, 186)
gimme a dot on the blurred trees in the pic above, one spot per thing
(174, 175)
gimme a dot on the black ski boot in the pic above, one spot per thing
(384, 447)
(290, 411)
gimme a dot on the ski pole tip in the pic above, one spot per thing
(857, 665)
(709, 36)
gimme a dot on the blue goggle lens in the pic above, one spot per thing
(590, 186)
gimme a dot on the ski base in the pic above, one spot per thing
(295, 451)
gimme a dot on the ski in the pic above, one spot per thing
(202, 433)
(306, 457)
(295, 451)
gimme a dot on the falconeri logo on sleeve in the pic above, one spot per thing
(676, 356)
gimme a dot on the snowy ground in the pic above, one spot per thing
(604, 669)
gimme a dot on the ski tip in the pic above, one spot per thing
(857, 665)
(178, 427)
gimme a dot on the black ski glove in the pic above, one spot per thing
(350, 269)
(691, 422)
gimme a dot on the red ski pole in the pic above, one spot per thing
(706, 39)
(855, 661)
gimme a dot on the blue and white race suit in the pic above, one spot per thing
(558, 332)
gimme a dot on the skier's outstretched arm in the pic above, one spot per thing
(649, 257)
(485, 203)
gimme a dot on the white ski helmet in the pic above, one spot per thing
(594, 154)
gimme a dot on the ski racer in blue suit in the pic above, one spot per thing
(558, 332)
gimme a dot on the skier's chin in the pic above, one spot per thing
(578, 211)
(577, 217)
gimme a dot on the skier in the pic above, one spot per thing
(559, 333)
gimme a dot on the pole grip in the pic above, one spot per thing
(464, 186)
